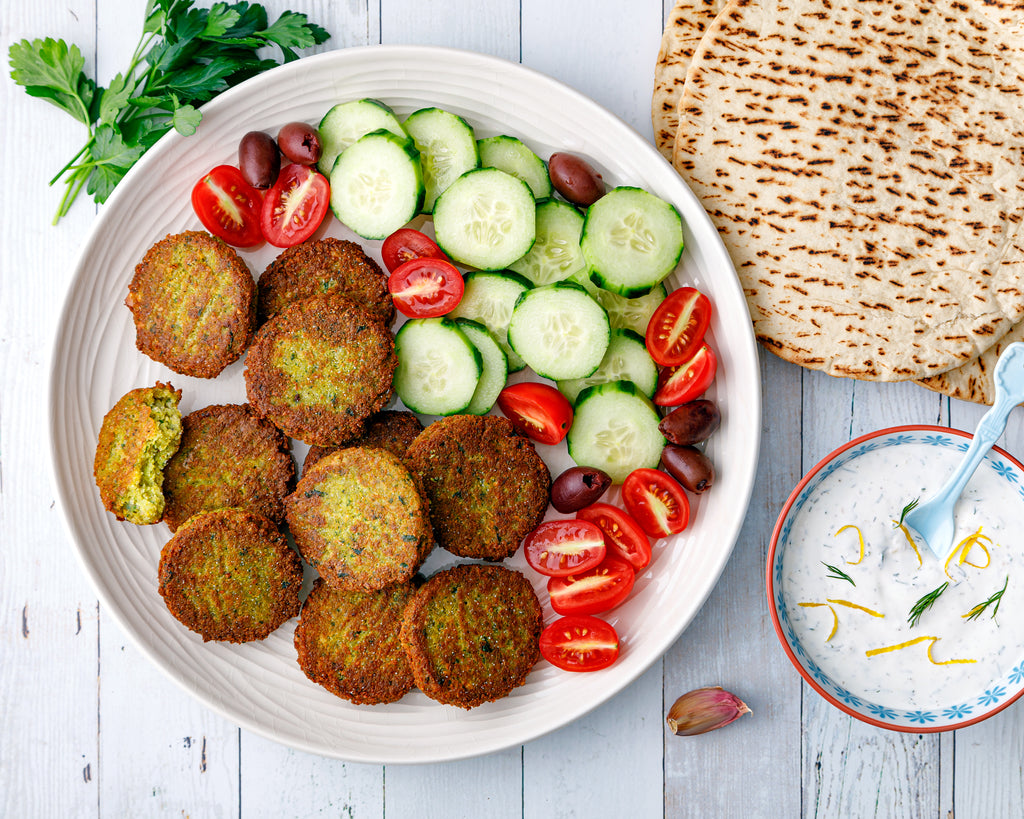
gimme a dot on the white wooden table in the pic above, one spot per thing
(90, 728)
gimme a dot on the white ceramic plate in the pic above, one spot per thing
(260, 685)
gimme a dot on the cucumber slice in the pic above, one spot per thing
(631, 241)
(509, 154)
(485, 219)
(631, 314)
(438, 366)
(626, 359)
(615, 428)
(447, 147)
(555, 255)
(348, 121)
(489, 298)
(560, 331)
(376, 186)
(495, 362)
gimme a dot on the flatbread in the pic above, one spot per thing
(864, 163)
(683, 32)
(973, 381)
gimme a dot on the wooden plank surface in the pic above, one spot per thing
(91, 729)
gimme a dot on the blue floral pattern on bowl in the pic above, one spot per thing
(994, 697)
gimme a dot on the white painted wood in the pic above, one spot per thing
(90, 728)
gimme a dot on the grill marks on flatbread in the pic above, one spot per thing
(864, 164)
(686, 25)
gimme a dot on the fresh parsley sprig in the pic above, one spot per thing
(975, 612)
(925, 603)
(185, 57)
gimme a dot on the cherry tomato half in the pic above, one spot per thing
(560, 547)
(228, 206)
(656, 501)
(538, 411)
(406, 244)
(678, 385)
(580, 643)
(426, 288)
(677, 327)
(295, 206)
(623, 537)
(593, 591)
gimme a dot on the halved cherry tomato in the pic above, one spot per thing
(426, 288)
(580, 643)
(656, 501)
(623, 537)
(560, 547)
(295, 206)
(677, 327)
(538, 411)
(406, 244)
(593, 591)
(228, 206)
(677, 385)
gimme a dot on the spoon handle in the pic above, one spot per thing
(989, 429)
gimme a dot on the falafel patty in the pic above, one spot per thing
(229, 456)
(349, 642)
(194, 304)
(471, 633)
(320, 368)
(230, 575)
(320, 266)
(487, 486)
(138, 436)
(359, 518)
(393, 430)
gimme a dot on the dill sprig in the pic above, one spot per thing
(995, 598)
(925, 603)
(905, 512)
(837, 574)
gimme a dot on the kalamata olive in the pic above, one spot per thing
(258, 159)
(691, 423)
(688, 465)
(575, 179)
(300, 143)
(578, 487)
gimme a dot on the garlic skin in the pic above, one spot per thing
(703, 710)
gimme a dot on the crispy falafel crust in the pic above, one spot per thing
(393, 430)
(349, 642)
(471, 633)
(487, 486)
(137, 438)
(322, 266)
(320, 368)
(230, 575)
(229, 456)
(193, 300)
(359, 518)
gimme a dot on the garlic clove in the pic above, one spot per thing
(703, 710)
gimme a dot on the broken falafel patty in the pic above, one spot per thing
(349, 642)
(230, 575)
(360, 519)
(471, 633)
(137, 438)
(319, 369)
(487, 486)
(320, 266)
(193, 300)
(229, 456)
(393, 430)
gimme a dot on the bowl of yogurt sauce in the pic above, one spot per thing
(872, 619)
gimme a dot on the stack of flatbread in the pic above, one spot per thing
(863, 161)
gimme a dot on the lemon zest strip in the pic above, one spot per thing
(910, 540)
(835, 617)
(860, 537)
(963, 548)
(850, 605)
(885, 649)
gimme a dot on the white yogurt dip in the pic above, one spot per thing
(869, 492)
